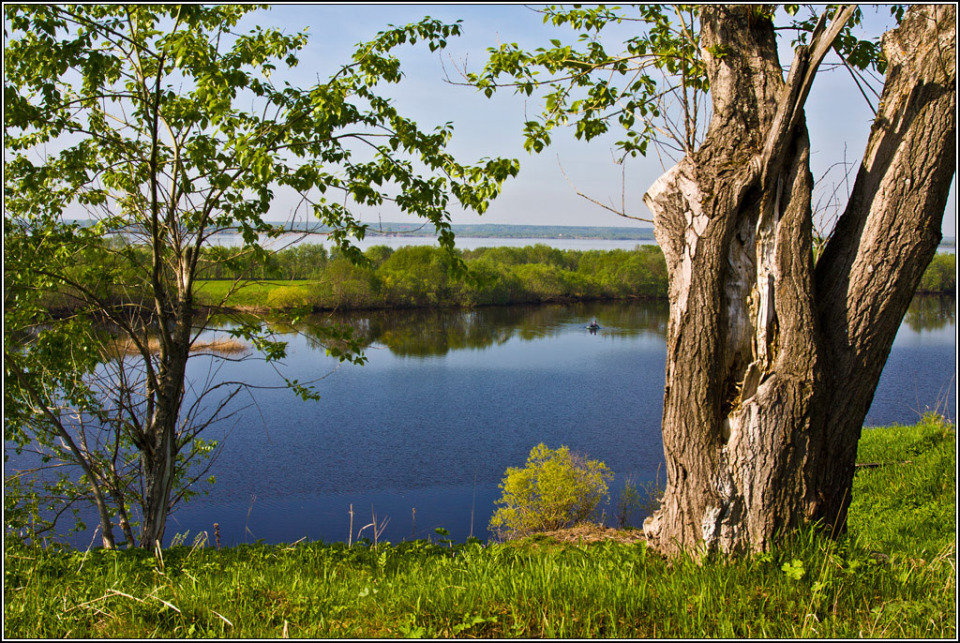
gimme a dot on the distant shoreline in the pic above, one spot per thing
(509, 231)
(398, 230)
(478, 230)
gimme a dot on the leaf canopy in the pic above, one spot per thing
(640, 81)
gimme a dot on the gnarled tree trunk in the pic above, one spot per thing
(771, 363)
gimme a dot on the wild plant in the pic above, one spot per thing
(555, 489)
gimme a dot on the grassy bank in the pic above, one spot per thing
(892, 576)
(309, 277)
(418, 276)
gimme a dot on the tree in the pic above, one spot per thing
(772, 358)
(162, 126)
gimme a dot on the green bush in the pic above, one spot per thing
(378, 254)
(345, 285)
(543, 282)
(555, 489)
(940, 276)
(416, 276)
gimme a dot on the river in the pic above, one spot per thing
(422, 434)
(464, 243)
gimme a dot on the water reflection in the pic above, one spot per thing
(431, 333)
(931, 312)
(435, 332)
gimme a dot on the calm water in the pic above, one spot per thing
(463, 243)
(450, 399)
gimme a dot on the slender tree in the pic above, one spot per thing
(772, 359)
(161, 126)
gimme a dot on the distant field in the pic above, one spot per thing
(249, 294)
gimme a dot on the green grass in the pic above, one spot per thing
(908, 504)
(252, 294)
(893, 575)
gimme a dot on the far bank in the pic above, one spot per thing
(310, 278)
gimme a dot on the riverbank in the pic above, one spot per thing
(307, 278)
(891, 576)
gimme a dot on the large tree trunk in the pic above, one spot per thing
(770, 367)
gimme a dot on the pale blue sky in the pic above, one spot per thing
(837, 116)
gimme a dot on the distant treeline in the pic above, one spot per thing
(310, 276)
(417, 276)
(480, 230)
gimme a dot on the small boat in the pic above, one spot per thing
(593, 326)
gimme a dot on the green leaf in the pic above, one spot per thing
(81, 130)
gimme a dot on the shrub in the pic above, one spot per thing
(555, 489)
(940, 276)
(416, 275)
(543, 282)
(378, 254)
(347, 285)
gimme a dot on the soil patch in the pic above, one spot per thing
(590, 533)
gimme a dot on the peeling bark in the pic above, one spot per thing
(756, 438)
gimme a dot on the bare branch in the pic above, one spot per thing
(620, 213)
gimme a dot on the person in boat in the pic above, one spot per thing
(594, 326)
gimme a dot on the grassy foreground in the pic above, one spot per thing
(893, 575)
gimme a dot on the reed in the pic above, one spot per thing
(223, 346)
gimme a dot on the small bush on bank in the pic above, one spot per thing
(555, 489)
(629, 503)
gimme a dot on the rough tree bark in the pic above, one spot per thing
(772, 363)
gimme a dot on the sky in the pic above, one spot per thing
(545, 191)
